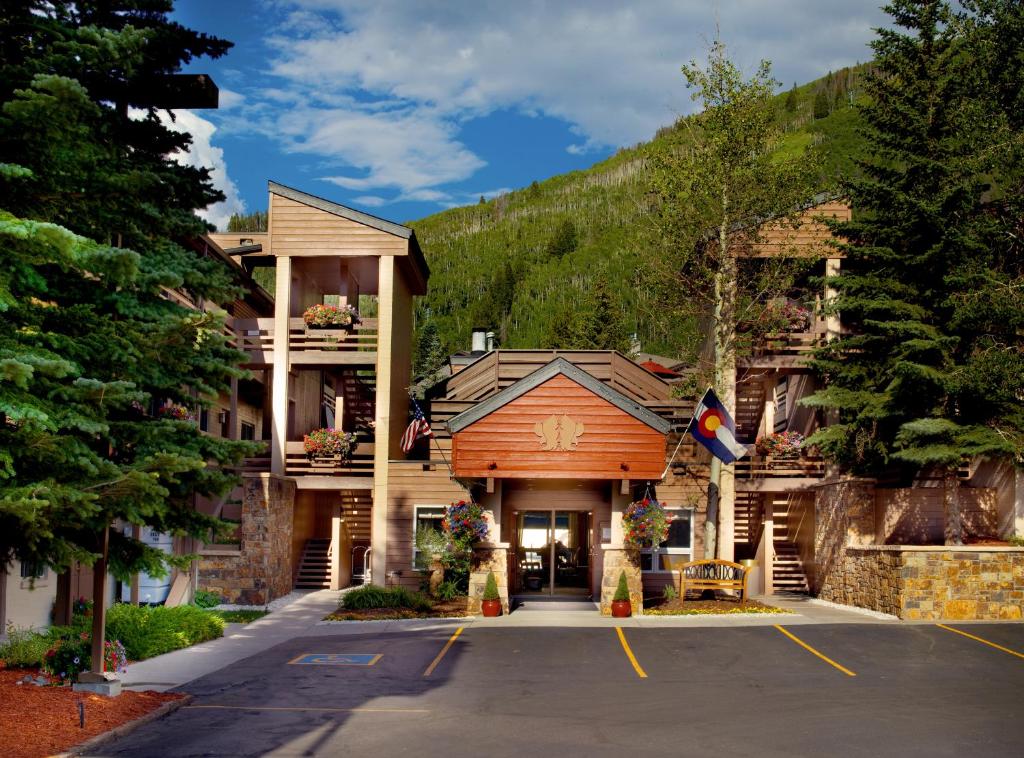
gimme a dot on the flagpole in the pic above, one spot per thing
(683, 435)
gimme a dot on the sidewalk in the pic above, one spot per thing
(170, 670)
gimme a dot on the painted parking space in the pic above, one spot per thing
(336, 659)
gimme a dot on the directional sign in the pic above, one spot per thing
(337, 659)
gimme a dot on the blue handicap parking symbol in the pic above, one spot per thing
(337, 659)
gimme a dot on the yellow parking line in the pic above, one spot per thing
(437, 660)
(982, 641)
(629, 654)
(807, 647)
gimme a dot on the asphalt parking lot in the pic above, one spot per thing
(820, 690)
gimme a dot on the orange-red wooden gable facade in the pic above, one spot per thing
(511, 441)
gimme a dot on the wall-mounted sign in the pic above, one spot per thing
(558, 433)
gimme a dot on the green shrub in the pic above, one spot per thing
(491, 587)
(146, 632)
(448, 591)
(622, 591)
(204, 599)
(24, 647)
(669, 593)
(372, 596)
(1016, 541)
(241, 617)
(68, 657)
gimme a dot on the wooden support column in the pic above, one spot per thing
(832, 321)
(279, 400)
(336, 526)
(99, 606)
(768, 504)
(382, 415)
(768, 416)
(134, 596)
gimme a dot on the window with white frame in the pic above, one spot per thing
(425, 517)
(674, 551)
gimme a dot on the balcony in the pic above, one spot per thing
(783, 349)
(355, 472)
(308, 347)
(768, 473)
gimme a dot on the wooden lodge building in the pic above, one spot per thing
(554, 444)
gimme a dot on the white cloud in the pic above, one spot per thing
(203, 154)
(371, 201)
(381, 88)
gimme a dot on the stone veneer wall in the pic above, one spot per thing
(487, 558)
(617, 559)
(261, 570)
(931, 583)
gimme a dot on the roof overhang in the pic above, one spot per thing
(543, 374)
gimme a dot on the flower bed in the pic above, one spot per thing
(372, 603)
(677, 607)
(321, 316)
(41, 721)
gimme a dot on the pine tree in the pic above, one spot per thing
(430, 354)
(791, 100)
(933, 371)
(94, 227)
(564, 240)
(821, 104)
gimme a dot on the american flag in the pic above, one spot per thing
(417, 428)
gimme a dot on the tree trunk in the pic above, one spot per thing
(723, 475)
(952, 515)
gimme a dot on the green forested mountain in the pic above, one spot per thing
(556, 260)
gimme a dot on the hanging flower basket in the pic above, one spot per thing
(781, 445)
(328, 444)
(645, 523)
(320, 316)
(464, 523)
(175, 412)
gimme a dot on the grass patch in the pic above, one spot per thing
(240, 617)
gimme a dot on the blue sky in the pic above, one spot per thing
(404, 108)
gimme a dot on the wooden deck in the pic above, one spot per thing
(783, 350)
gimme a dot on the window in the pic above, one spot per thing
(426, 518)
(248, 431)
(677, 549)
(32, 570)
(204, 420)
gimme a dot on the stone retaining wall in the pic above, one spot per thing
(488, 558)
(261, 570)
(930, 583)
(617, 560)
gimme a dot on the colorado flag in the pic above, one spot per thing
(714, 429)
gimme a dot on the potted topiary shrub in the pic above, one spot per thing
(621, 607)
(491, 605)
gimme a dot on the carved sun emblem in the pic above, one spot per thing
(558, 433)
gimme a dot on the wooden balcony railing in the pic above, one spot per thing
(359, 464)
(354, 346)
(770, 467)
(784, 348)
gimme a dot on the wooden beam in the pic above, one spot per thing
(282, 308)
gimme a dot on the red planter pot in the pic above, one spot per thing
(491, 608)
(621, 609)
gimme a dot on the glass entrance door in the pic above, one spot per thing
(553, 552)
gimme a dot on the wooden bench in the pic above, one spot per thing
(713, 574)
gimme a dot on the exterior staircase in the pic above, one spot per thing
(787, 571)
(315, 567)
(747, 515)
(749, 409)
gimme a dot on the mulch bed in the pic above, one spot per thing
(40, 721)
(447, 609)
(677, 607)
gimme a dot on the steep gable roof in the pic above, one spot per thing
(543, 374)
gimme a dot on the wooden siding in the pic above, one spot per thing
(410, 484)
(809, 237)
(235, 239)
(502, 368)
(614, 445)
(301, 230)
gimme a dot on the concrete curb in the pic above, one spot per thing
(124, 729)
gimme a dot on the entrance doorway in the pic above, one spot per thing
(552, 553)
